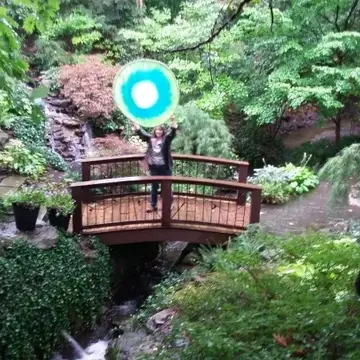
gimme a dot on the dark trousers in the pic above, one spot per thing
(158, 170)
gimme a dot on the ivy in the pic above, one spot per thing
(45, 292)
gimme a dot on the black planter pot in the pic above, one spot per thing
(58, 220)
(25, 218)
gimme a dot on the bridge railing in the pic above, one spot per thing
(193, 166)
(121, 202)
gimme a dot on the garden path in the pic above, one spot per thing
(308, 212)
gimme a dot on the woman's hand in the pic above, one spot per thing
(173, 123)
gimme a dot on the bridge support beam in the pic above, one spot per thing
(163, 235)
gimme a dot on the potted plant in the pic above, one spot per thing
(26, 204)
(60, 207)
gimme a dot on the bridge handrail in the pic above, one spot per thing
(80, 193)
(139, 157)
(160, 179)
(103, 166)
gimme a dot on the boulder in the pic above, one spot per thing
(160, 319)
(43, 237)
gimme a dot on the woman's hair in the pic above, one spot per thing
(161, 127)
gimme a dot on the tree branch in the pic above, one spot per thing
(351, 12)
(271, 14)
(214, 32)
(337, 18)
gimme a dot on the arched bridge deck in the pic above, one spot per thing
(113, 196)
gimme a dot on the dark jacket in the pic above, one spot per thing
(166, 146)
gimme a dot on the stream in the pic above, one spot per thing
(137, 269)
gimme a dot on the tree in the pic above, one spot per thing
(199, 134)
(263, 61)
(340, 169)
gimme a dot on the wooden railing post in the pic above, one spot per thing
(85, 171)
(242, 178)
(166, 202)
(77, 214)
(255, 206)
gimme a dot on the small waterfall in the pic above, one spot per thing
(80, 351)
(87, 135)
(95, 351)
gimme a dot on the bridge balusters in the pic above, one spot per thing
(124, 201)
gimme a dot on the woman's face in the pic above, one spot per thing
(159, 132)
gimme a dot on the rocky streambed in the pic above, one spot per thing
(137, 269)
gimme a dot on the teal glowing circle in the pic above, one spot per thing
(146, 92)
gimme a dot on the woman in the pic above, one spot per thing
(158, 155)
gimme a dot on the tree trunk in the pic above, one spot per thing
(337, 122)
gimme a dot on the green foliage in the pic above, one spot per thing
(263, 64)
(254, 144)
(46, 292)
(53, 159)
(339, 169)
(35, 15)
(26, 196)
(33, 135)
(78, 30)
(280, 182)
(58, 197)
(320, 151)
(50, 54)
(200, 134)
(111, 13)
(52, 75)
(18, 158)
(269, 297)
(5, 116)
(302, 179)
(63, 203)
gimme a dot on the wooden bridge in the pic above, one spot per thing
(212, 200)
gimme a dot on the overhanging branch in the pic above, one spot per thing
(214, 32)
(351, 12)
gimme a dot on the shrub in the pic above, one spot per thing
(320, 150)
(78, 30)
(32, 133)
(50, 53)
(6, 118)
(46, 292)
(112, 145)
(89, 86)
(269, 297)
(52, 75)
(199, 134)
(280, 182)
(18, 158)
(253, 143)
